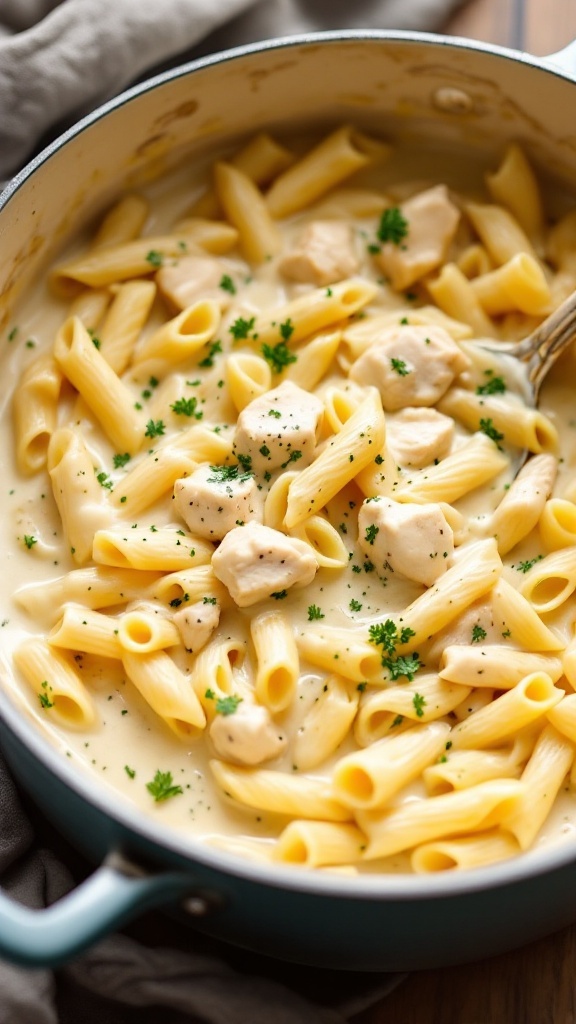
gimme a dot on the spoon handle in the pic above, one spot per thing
(540, 350)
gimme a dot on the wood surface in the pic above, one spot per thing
(535, 984)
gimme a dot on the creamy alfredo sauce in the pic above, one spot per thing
(130, 744)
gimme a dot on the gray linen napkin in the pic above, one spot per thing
(157, 969)
(59, 59)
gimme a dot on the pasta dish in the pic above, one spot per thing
(280, 581)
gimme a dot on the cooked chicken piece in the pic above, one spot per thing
(323, 254)
(410, 365)
(413, 540)
(431, 221)
(248, 736)
(417, 437)
(196, 622)
(279, 428)
(193, 278)
(214, 499)
(255, 562)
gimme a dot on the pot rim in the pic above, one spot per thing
(542, 64)
(363, 887)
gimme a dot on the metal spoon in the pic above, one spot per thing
(540, 349)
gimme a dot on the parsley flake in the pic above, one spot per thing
(186, 407)
(493, 386)
(419, 702)
(214, 348)
(371, 533)
(393, 226)
(227, 284)
(487, 427)
(226, 474)
(278, 356)
(314, 612)
(154, 428)
(399, 367)
(155, 258)
(241, 327)
(228, 705)
(478, 634)
(162, 786)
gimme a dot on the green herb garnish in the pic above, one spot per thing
(278, 356)
(228, 705)
(393, 226)
(162, 786)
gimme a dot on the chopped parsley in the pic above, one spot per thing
(154, 428)
(104, 480)
(314, 612)
(293, 457)
(386, 635)
(528, 564)
(399, 367)
(227, 284)
(130, 772)
(286, 329)
(487, 427)
(478, 634)
(241, 327)
(155, 258)
(29, 541)
(120, 460)
(371, 533)
(402, 666)
(419, 702)
(186, 407)
(493, 386)
(214, 348)
(228, 705)
(278, 356)
(162, 786)
(246, 462)
(43, 695)
(393, 226)
(355, 605)
(226, 474)
(279, 595)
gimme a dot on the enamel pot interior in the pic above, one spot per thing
(458, 96)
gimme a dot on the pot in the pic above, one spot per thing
(460, 94)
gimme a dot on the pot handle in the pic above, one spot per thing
(112, 895)
(564, 59)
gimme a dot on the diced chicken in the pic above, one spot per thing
(196, 623)
(254, 562)
(248, 736)
(410, 365)
(279, 428)
(193, 278)
(413, 540)
(432, 221)
(323, 254)
(214, 499)
(417, 437)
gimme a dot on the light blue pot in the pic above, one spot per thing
(367, 923)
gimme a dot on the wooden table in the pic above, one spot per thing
(536, 984)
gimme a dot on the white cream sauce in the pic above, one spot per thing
(130, 744)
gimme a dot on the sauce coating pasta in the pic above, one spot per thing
(280, 585)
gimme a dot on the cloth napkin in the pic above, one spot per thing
(58, 60)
